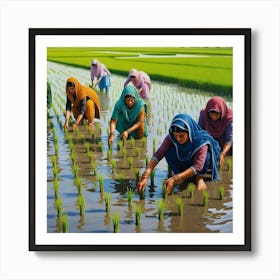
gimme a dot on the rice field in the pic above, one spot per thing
(89, 186)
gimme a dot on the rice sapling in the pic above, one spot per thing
(130, 196)
(147, 161)
(191, 189)
(58, 205)
(152, 177)
(229, 165)
(161, 207)
(109, 154)
(120, 145)
(221, 191)
(130, 162)
(86, 145)
(124, 152)
(64, 223)
(81, 203)
(113, 163)
(132, 142)
(121, 179)
(116, 222)
(138, 212)
(179, 203)
(79, 185)
(205, 197)
(73, 157)
(55, 171)
(90, 156)
(138, 152)
(101, 182)
(93, 164)
(137, 174)
(144, 141)
(107, 198)
(75, 170)
(164, 190)
(56, 188)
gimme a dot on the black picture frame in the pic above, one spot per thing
(35, 33)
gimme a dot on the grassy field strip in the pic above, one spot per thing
(211, 70)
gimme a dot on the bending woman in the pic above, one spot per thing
(82, 101)
(216, 118)
(102, 74)
(189, 151)
(141, 81)
(129, 116)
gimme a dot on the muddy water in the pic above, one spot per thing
(165, 101)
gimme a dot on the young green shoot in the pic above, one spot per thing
(161, 207)
(221, 191)
(116, 221)
(191, 189)
(58, 205)
(81, 203)
(205, 197)
(138, 212)
(130, 162)
(101, 182)
(113, 163)
(56, 188)
(179, 203)
(93, 164)
(107, 198)
(130, 196)
(64, 223)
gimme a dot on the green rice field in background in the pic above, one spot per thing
(201, 68)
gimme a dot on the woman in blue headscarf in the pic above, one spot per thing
(189, 151)
(129, 116)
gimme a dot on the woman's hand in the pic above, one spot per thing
(111, 139)
(66, 125)
(142, 185)
(124, 135)
(75, 126)
(170, 182)
(222, 159)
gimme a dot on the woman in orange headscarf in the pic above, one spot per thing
(82, 101)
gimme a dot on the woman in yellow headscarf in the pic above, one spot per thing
(82, 101)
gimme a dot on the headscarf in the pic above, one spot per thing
(81, 93)
(95, 71)
(139, 76)
(217, 128)
(130, 115)
(197, 139)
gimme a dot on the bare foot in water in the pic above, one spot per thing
(201, 186)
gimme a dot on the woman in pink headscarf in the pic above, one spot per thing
(141, 81)
(100, 71)
(216, 118)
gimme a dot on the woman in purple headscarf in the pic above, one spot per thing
(141, 81)
(216, 118)
(100, 71)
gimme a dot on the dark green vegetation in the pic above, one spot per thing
(203, 68)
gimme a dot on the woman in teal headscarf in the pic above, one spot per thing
(129, 116)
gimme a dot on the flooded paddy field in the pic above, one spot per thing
(82, 172)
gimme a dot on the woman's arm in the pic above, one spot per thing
(113, 124)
